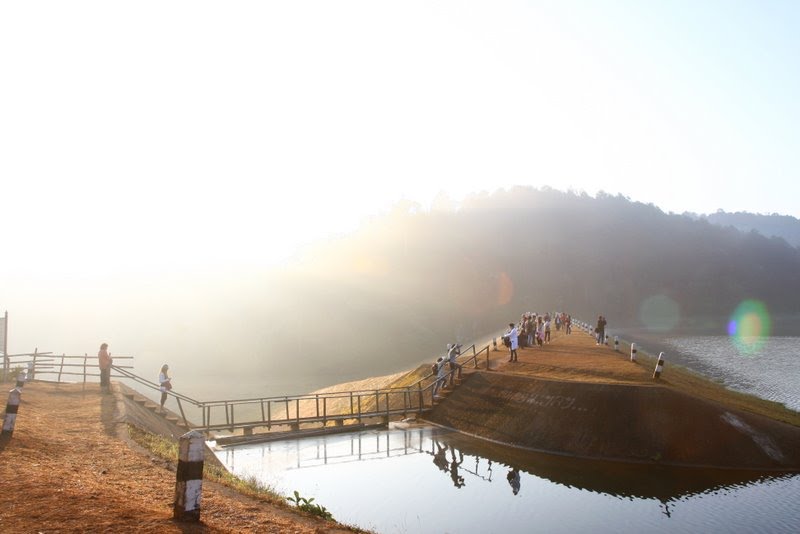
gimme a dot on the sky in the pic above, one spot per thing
(172, 137)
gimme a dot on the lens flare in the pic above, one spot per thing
(505, 289)
(750, 326)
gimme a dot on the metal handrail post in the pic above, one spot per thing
(180, 407)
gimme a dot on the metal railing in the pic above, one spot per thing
(124, 373)
(338, 407)
(57, 367)
(292, 410)
(296, 410)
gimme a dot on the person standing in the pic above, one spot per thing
(165, 383)
(513, 338)
(547, 329)
(438, 369)
(600, 330)
(104, 362)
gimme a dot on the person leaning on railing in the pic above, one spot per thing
(453, 351)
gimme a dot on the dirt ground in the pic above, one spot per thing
(68, 468)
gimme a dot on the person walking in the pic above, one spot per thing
(165, 383)
(513, 339)
(104, 362)
(600, 330)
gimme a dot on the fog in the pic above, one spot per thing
(393, 294)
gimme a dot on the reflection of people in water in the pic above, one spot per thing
(440, 458)
(458, 481)
(513, 479)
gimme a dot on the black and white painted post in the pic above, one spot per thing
(616, 343)
(11, 412)
(633, 352)
(189, 478)
(659, 366)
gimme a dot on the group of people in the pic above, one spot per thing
(440, 368)
(452, 466)
(534, 330)
(104, 362)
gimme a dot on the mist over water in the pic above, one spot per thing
(393, 294)
(243, 335)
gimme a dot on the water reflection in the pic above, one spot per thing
(362, 476)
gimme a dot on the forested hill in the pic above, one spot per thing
(408, 283)
(544, 249)
(774, 225)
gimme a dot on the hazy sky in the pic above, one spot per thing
(156, 135)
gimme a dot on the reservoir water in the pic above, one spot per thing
(431, 480)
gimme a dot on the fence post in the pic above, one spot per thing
(189, 477)
(659, 366)
(11, 413)
(61, 369)
(85, 360)
(32, 374)
(633, 352)
(616, 343)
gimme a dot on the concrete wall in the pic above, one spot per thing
(651, 424)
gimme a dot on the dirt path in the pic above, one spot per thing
(66, 470)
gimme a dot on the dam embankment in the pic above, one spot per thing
(613, 421)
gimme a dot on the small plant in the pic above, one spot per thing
(308, 505)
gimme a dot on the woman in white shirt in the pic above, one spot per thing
(164, 381)
(514, 339)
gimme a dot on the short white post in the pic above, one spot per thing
(11, 412)
(189, 478)
(659, 366)
(616, 343)
(633, 352)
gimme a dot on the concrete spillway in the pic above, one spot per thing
(633, 423)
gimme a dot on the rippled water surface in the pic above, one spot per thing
(772, 372)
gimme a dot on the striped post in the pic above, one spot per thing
(633, 352)
(616, 343)
(494, 343)
(189, 478)
(11, 412)
(659, 366)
